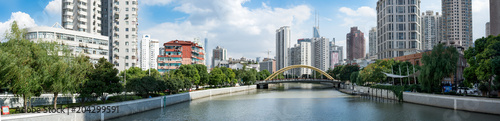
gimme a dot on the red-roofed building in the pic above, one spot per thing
(175, 53)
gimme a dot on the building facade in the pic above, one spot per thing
(457, 23)
(494, 17)
(149, 53)
(268, 64)
(122, 22)
(177, 53)
(372, 42)
(336, 54)
(301, 54)
(82, 15)
(487, 30)
(355, 44)
(398, 27)
(94, 46)
(206, 53)
(320, 53)
(431, 32)
(283, 37)
(219, 54)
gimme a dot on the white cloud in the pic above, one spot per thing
(155, 2)
(361, 11)
(23, 20)
(54, 7)
(243, 31)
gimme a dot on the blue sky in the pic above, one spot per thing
(245, 27)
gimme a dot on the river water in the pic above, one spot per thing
(302, 102)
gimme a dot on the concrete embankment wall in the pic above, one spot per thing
(474, 104)
(127, 107)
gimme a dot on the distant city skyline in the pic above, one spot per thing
(243, 34)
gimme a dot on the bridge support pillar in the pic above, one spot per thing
(262, 86)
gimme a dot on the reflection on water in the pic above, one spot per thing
(300, 102)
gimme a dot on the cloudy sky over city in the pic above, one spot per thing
(244, 27)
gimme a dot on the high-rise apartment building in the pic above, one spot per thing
(149, 52)
(320, 52)
(355, 44)
(494, 17)
(457, 23)
(283, 37)
(431, 32)
(219, 54)
(206, 53)
(336, 54)
(177, 53)
(301, 54)
(122, 29)
(82, 15)
(487, 30)
(268, 64)
(372, 42)
(398, 28)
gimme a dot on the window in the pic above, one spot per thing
(126, 36)
(412, 9)
(413, 18)
(401, 2)
(126, 22)
(126, 9)
(411, 2)
(400, 9)
(390, 27)
(390, 18)
(390, 36)
(400, 18)
(413, 35)
(413, 44)
(126, 43)
(126, 29)
(133, 29)
(133, 9)
(401, 27)
(389, 9)
(401, 36)
(126, 2)
(413, 26)
(126, 57)
(401, 44)
(126, 50)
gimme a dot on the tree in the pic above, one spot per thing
(440, 63)
(190, 73)
(335, 73)
(18, 65)
(142, 86)
(484, 61)
(230, 75)
(250, 77)
(202, 71)
(102, 80)
(132, 73)
(264, 74)
(346, 71)
(216, 76)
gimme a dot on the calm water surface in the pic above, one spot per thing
(302, 102)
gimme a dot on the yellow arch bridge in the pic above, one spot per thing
(271, 78)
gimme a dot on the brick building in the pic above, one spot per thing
(177, 52)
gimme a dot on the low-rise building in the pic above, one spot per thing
(94, 46)
(177, 53)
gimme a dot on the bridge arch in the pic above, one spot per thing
(298, 66)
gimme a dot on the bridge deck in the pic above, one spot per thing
(297, 80)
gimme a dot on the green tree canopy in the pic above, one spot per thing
(484, 61)
(440, 63)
